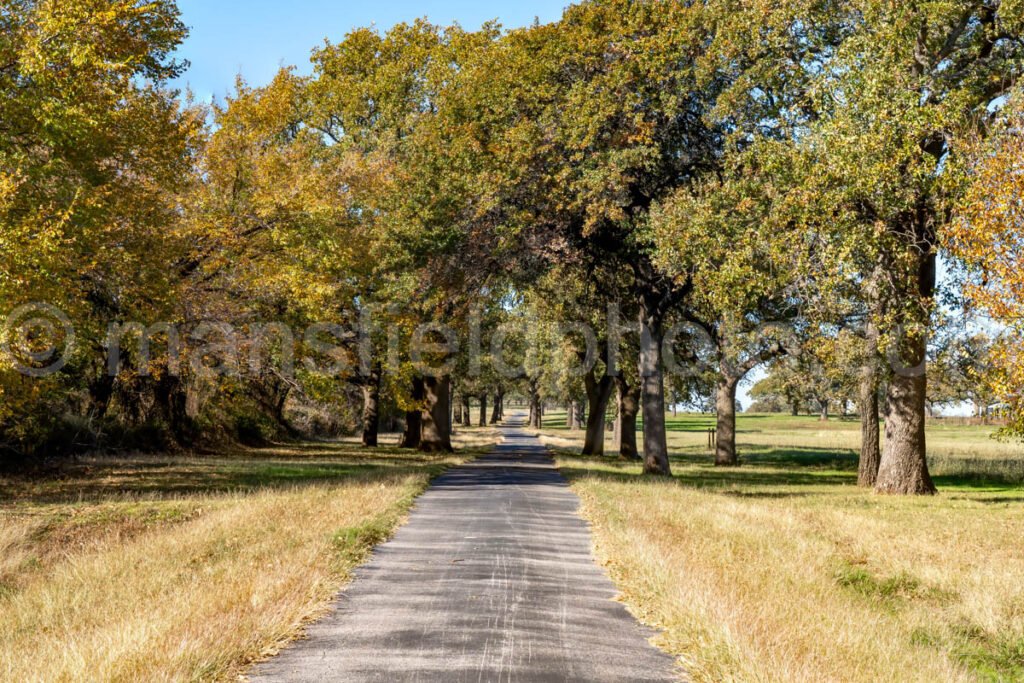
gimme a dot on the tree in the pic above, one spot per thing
(93, 151)
(741, 248)
(887, 93)
(606, 121)
(987, 236)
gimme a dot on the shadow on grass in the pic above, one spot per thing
(769, 473)
(288, 466)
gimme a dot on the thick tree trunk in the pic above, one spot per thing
(870, 448)
(904, 465)
(725, 403)
(652, 383)
(436, 432)
(371, 409)
(483, 410)
(629, 408)
(467, 411)
(598, 395)
(823, 415)
(414, 418)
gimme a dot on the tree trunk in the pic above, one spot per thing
(904, 466)
(823, 416)
(570, 415)
(534, 399)
(172, 398)
(457, 417)
(725, 451)
(598, 395)
(414, 418)
(483, 410)
(436, 432)
(371, 409)
(617, 429)
(101, 390)
(870, 449)
(652, 382)
(467, 411)
(580, 416)
(496, 411)
(629, 408)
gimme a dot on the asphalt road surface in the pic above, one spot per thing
(492, 579)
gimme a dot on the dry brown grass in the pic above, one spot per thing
(783, 570)
(170, 569)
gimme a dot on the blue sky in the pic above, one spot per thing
(256, 37)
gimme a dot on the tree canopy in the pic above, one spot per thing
(708, 187)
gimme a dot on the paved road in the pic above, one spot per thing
(492, 579)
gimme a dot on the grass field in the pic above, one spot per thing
(783, 570)
(169, 568)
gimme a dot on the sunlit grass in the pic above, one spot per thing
(172, 568)
(953, 450)
(784, 570)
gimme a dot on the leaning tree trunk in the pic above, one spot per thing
(904, 465)
(652, 383)
(629, 408)
(725, 404)
(436, 431)
(870, 449)
(371, 409)
(599, 393)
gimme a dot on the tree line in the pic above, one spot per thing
(742, 183)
